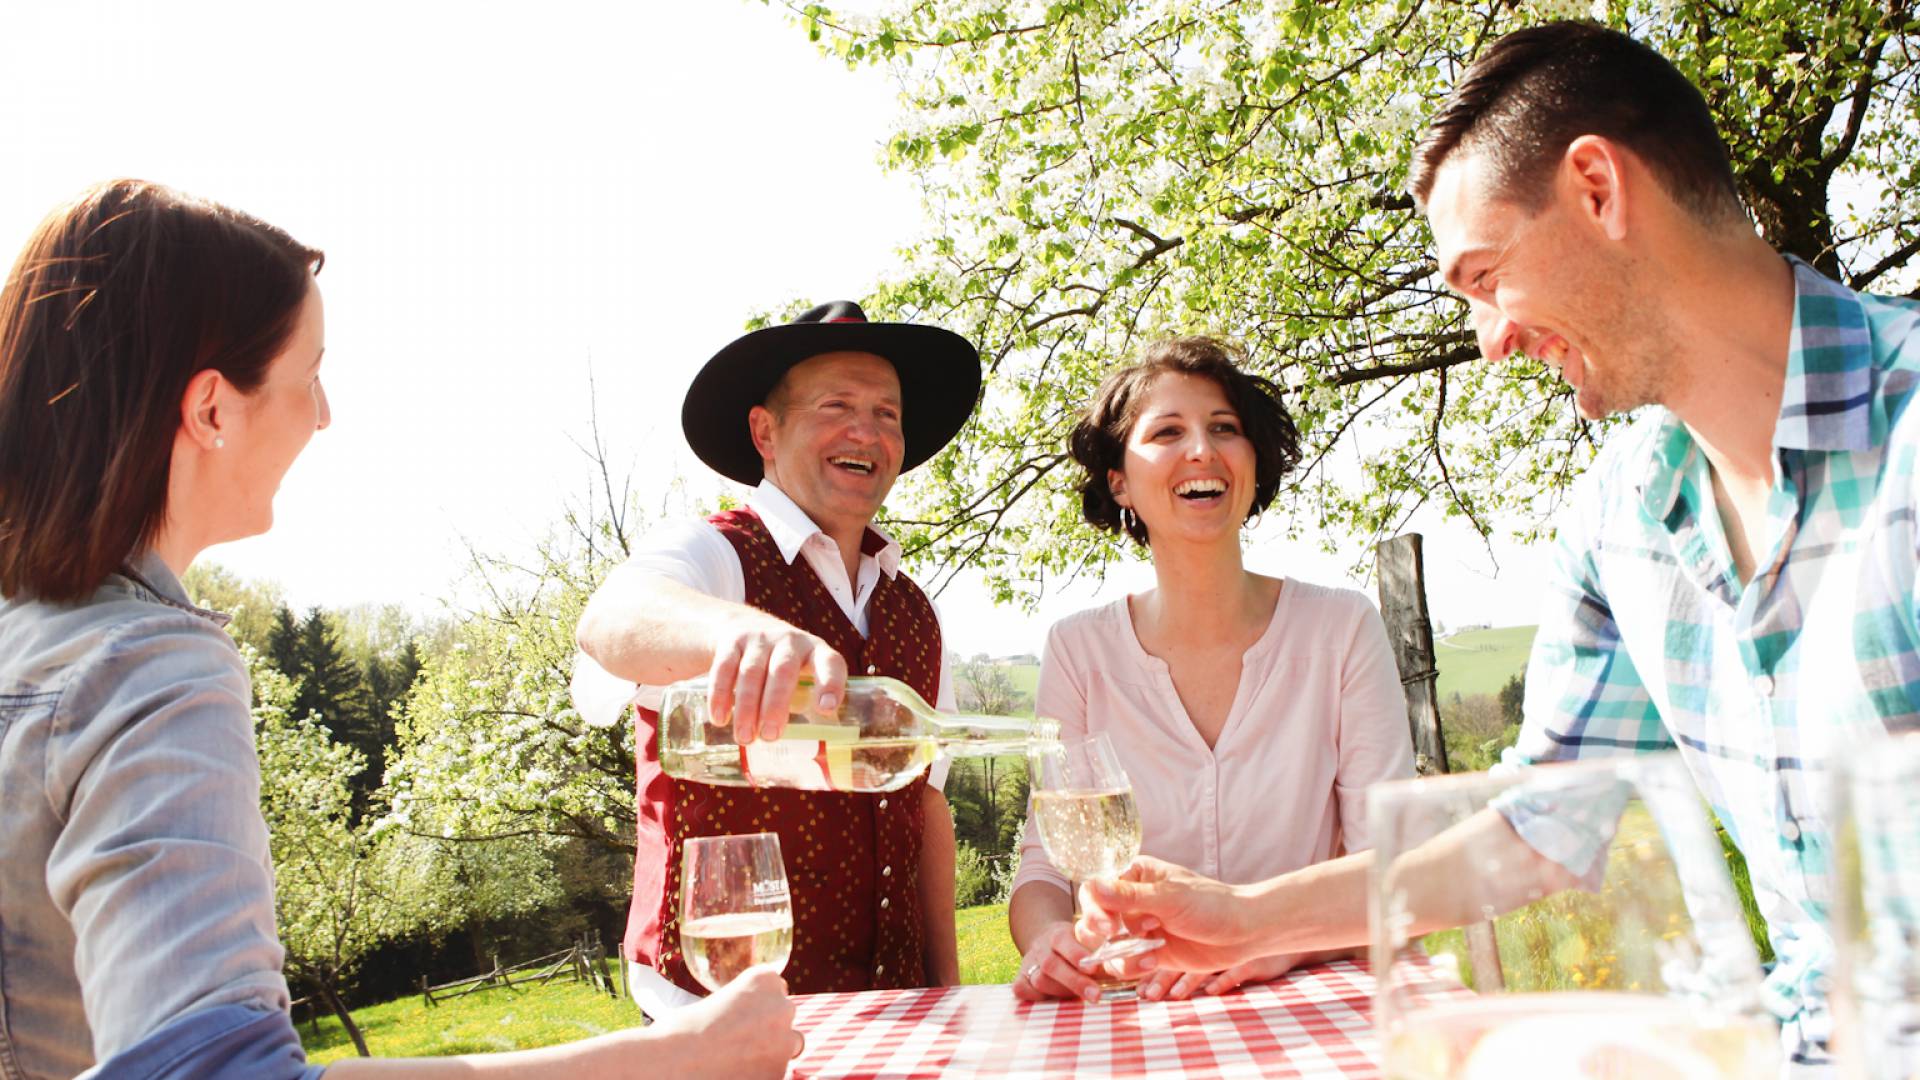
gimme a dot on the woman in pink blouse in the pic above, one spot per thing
(1251, 712)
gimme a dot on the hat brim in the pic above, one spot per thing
(939, 385)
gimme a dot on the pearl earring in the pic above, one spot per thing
(219, 443)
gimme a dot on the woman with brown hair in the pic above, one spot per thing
(1250, 712)
(159, 373)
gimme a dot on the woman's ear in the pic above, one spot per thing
(1117, 485)
(203, 410)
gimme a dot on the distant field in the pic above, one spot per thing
(1025, 678)
(1481, 661)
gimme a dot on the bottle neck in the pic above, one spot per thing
(975, 735)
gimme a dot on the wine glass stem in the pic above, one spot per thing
(1120, 931)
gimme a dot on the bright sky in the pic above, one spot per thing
(511, 197)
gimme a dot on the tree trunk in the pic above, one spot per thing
(993, 816)
(340, 1010)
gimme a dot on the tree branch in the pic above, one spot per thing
(1438, 362)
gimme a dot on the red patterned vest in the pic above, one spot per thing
(853, 861)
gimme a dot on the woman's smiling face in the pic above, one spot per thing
(1189, 469)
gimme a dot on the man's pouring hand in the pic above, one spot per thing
(757, 664)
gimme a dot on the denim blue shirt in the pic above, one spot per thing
(136, 901)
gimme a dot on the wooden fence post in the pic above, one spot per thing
(1403, 604)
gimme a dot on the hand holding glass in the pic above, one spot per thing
(734, 907)
(1602, 935)
(1083, 807)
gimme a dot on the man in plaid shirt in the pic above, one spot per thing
(1737, 577)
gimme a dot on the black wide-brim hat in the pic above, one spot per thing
(939, 383)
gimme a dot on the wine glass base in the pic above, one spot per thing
(1112, 992)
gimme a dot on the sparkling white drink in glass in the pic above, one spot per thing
(734, 906)
(1083, 807)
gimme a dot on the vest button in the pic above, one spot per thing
(885, 903)
(880, 969)
(883, 804)
(886, 871)
(873, 669)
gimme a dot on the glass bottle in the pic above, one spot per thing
(881, 738)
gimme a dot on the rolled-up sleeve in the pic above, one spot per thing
(162, 864)
(228, 1042)
(1585, 698)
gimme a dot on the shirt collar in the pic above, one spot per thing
(146, 570)
(791, 528)
(1826, 402)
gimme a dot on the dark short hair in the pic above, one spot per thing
(118, 300)
(1534, 91)
(1099, 440)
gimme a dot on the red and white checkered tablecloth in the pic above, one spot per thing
(1315, 1022)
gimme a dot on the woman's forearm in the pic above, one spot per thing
(1034, 908)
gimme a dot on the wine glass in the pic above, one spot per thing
(1876, 998)
(1568, 921)
(1082, 805)
(734, 907)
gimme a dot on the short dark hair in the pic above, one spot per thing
(1099, 440)
(118, 300)
(1534, 91)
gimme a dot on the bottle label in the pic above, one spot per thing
(795, 763)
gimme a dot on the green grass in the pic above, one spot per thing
(501, 1018)
(516, 1018)
(987, 954)
(1481, 661)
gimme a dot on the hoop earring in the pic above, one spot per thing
(1129, 521)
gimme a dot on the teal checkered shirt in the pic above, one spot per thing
(1650, 642)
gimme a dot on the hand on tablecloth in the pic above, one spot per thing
(1050, 969)
(1169, 985)
(743, 1029)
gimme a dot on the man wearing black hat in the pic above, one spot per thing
(819, 415)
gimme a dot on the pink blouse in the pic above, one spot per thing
(1318, 716)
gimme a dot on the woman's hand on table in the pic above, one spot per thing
(1051, 968)
(1166, 985)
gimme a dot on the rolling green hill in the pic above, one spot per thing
(1481, 661)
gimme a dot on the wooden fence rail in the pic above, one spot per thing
(584, 962)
